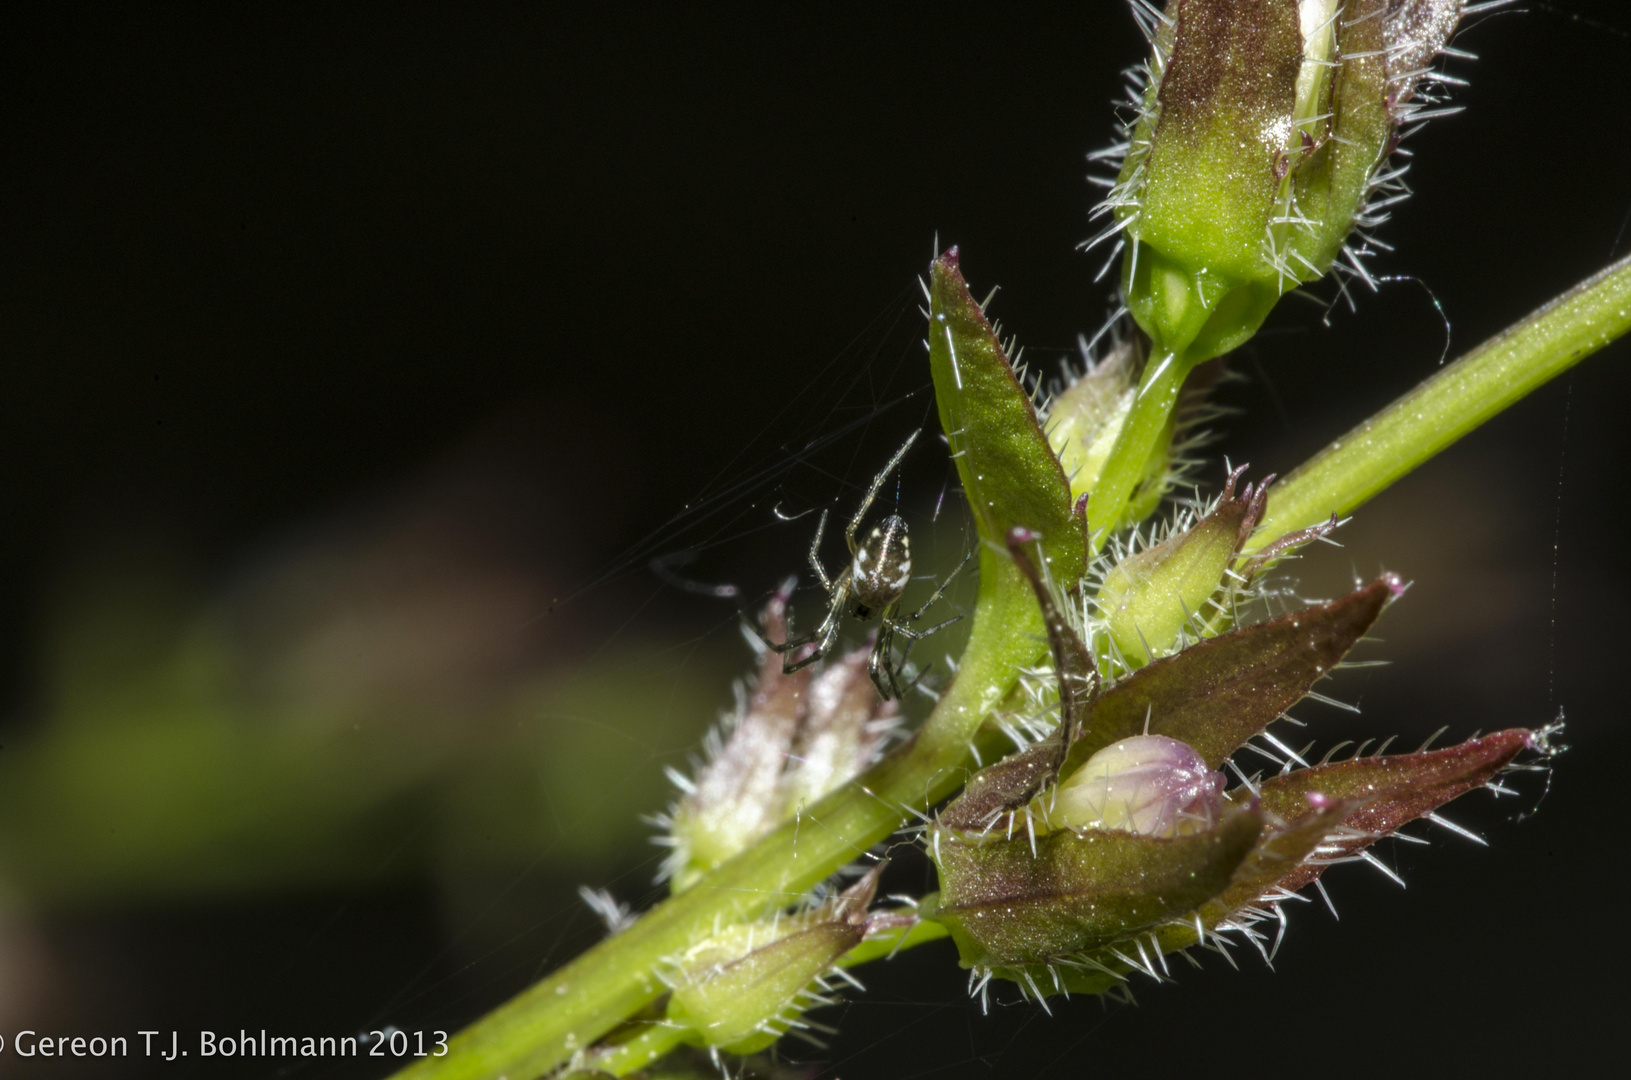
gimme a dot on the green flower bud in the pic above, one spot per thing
(743, 988)
(1150, 598)
(745, 985)
(1262, 136)
(1084, 419)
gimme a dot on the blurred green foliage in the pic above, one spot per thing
(172, 756)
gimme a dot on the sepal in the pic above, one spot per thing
(744, 987)
(1014, 900)
(1220, 692)
(1150, 598)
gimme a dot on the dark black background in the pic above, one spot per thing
(261, 266)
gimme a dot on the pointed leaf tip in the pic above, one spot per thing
(1382, 794)
(1007, 468)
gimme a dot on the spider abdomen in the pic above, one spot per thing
(882, 566)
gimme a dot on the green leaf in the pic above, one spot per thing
(1009, 472)
(1218, 693)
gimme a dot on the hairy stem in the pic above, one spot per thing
(1139, 439)
(1453, 402)
(652, 1043)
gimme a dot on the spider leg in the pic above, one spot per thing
(823, 634)
(872, 492)
(918, 635)
(938, 593)
(920, 677)
(825, 637)
(881, 664)
(878, 665)
(890, 667)
(786, 646)
(815, 553)
(914, 636)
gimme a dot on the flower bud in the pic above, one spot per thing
(1084, 419)
(1149, 598)
(1014, 900)
(741, 989)
(838, 734)
(1260, 140)
(734, 798)
(1151, 785)
(741, 984)
(794, 738)
(1146, 838)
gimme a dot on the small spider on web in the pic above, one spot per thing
(874, 581)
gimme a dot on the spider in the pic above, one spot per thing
(874, 581)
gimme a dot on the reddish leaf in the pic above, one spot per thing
(1389, 792)
(1218, 693)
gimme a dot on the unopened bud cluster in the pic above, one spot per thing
(1111, 841)
(791, 739)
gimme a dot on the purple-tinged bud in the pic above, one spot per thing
(794, 738)
(843, 725)
(734, 798)
(1151, 785)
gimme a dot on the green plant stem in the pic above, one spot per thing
(652, 1043)
(883, 946)
(1139, 438)
(1453, 402)
(547, 1023)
